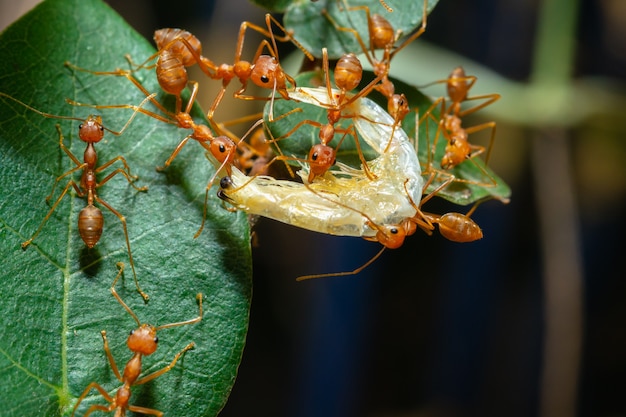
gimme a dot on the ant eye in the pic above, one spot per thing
(80, 126)
(102, 128)
(265, 79)
(393, 231)
(222, 148)
(132, 331)
(314, 156)
(156, 339)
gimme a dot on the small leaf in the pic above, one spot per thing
(297, 143)
(55, 295)
(312, 28)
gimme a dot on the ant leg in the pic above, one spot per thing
(199, 297)
(483, 126)
(174, 153)
(343, 274)
(105, 394)
(144, 410)
(79, 165)
(52, 209)
(166, 368)
(206, 194)
(491, 98)
(130, 178)
(121, 266)
(130, 254)
(107, 350)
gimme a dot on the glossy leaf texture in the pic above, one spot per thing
(478, 181)
(55, 295)
(314, 30)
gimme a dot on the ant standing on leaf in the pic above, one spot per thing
(90, 218)
(142, 342)
(383, 36)
(178, 49)
(221, 148)
(458, 149)
(264, 70)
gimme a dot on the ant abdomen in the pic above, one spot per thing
(169, 39)
(348, 72)
(458, 227)
(171, 73)
(90, 225)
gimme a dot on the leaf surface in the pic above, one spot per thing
(273, 5)
(55, 295)
(314, 30)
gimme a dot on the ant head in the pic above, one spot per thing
(91, 130)
(348, 72)
(451, 159)
(143, 340)
(381, 32)
(321, 158)
(457, 150)
(391, 236)
(267, 73)
(398, 106)
(223, 150)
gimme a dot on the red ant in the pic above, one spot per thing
(383, 36)
(264, 70)
(142, 342)
(178, 49)
(221, 148)
(348, 73)
(90, 218)
(458, 148)
(453, 226)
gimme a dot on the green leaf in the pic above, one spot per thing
(278, 6)
(55, 295)
(315, 31)
(297, 143)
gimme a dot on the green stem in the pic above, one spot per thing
(555, 42)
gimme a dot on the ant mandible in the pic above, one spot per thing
(90, 218)
(142, 342)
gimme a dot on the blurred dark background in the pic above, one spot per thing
(437, 328)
